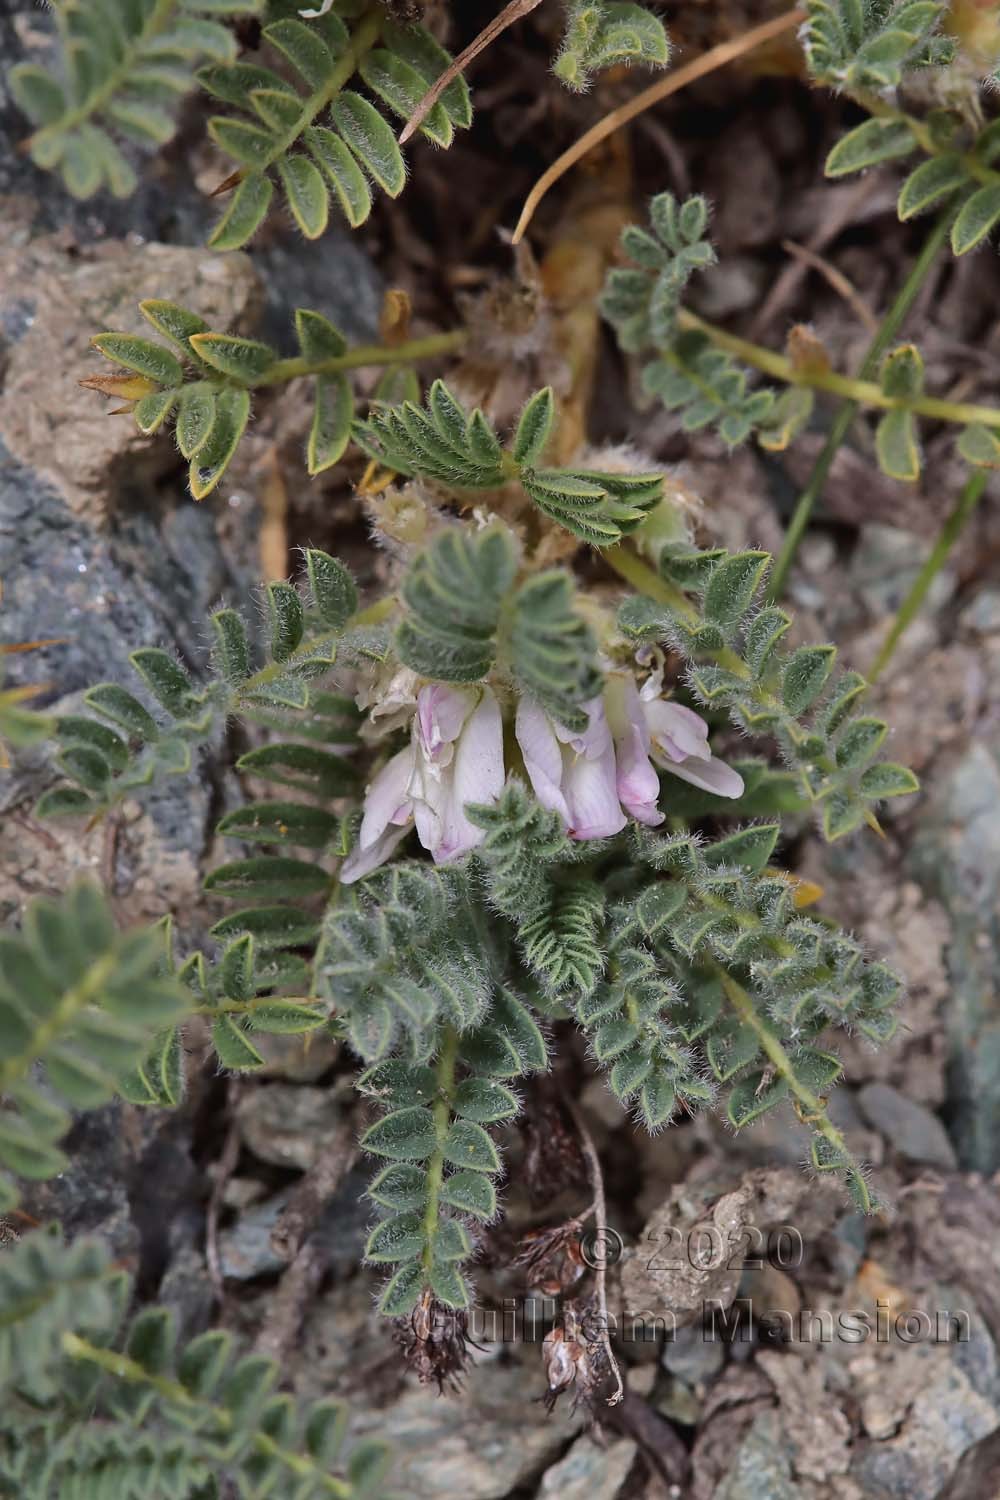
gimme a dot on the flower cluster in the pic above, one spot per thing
(595, 780)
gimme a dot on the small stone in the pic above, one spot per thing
(245, 1250)
(679, 1404)
(945, 1418)
(297, 1059)
(287, 1124)
(589, 1471)
(885, 564)
(480, 1446)
(693, 1355)
(982, 614)
(910, 1128)
(762, 1466)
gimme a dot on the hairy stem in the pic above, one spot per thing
(158, 19)
(428, 347)
(124, 1368)
(86, 992)
(859, 392)
(811, 1107)
(898, 310)
(442, 1120)
(947, 537)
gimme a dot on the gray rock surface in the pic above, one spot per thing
(909, 1127)
(288, 1125)
(479, 1446)
(590, 1472)
(946, 1418)
(957, 852)
(762, 1469)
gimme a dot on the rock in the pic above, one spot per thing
(693, 1355)
(480, 1445)
(909, 1127)
(957, 851)
(945, 1418)
(91, 1195)
(817, 1433)
(186, 1288)
(345, 1222)
(56, 302)
(297, 1059)
(245, 1247)
(245, 1250)
(886, 562)
(982, 613)
(589, 1472)
(93, 555)
(740, 1394)
(762, 1468)
(287, 1125)
(679, 1404)
(691, 1250)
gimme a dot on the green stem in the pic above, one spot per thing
(159, 17)
(362, 41)
(428, 347)
(442, 1121)
(812, 1107)
(861, 392)
(87, 992)
(642, 578)
(124, 1368)
(947, 537)
(901, 305)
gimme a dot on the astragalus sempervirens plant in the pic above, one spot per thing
(496, 812)
(506, 803)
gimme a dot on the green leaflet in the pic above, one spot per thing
(320, 137)
(105, 768)
(207, 389)
(460, 449)
(602, 33)
(858, 47)
(155, 1407)
(86, 1002)
(766, 690)
(125, 83)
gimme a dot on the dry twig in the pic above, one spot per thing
(315, 1190)
(601, 1239)
(699, 67)
(512, 11)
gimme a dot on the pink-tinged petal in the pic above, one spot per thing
(711, 775)
(474, 774)
(591, 792)
(676, 732)
(478, 766)
(441, 713)
(594, 741)
(387, 799)
(477, 775)
(428, 812)
(543, 758)
(638, 784)
(361, 862)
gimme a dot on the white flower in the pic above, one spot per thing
(572, 774)
(455, 756)
(679, 742)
